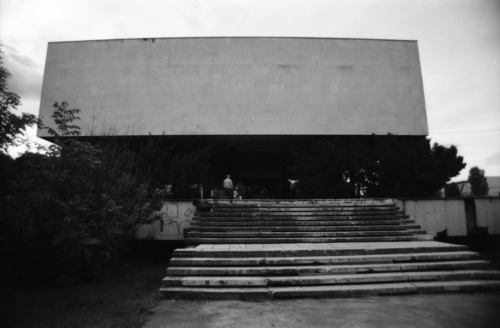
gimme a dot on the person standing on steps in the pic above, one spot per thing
(228, 187)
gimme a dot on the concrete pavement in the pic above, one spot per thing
(430, 310)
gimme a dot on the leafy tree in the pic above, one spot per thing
(169, 165)
(70, 211)
(12, 126)
(478, 183)
(63, 117)
(452, 190)
(323, 169)
(384, 166)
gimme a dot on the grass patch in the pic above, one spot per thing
(124, 298)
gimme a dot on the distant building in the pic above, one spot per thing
(493, 185)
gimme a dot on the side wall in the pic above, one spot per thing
(436, 215)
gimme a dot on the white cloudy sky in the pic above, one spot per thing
(459, 42)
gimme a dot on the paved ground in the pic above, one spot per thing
(431, 310)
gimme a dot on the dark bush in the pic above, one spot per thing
(72, 210)
(68, 212)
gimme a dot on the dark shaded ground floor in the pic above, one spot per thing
(263, 166)
(438, 310)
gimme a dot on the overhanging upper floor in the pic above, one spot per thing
(238, 86)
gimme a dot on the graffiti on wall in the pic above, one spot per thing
(175, 217)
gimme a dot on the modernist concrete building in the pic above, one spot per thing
(250, 97)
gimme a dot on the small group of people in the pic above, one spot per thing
(229, 189)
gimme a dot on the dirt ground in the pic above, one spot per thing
(123, 298)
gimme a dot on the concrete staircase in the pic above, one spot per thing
(302, 221)
(327, 248)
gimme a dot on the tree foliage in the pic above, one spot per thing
(169, 165)
(64, 117)
(12, 126)
(382, 166)
(478, 183)
(452, 190)
(70, 211)
(322, 169)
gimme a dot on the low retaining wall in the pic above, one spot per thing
(458, 216)
(488, 214)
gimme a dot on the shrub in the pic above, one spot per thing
(73, 209)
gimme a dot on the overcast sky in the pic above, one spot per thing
(459, 43)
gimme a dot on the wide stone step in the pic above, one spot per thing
(325, 269)
(300, 202)
(299, 234)
(327, 291)
(298, 213)
(417, 232)
(456, 286)
(316, 260)
(315, 249)
(397, 227)
(298, 208)
(300, 223)
(345, 279)
(299, 218)
(277, 240)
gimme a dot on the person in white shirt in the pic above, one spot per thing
(228, 187)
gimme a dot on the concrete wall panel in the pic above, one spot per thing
(488, 214)
(225, 86)
(436, 215)
(455, 217)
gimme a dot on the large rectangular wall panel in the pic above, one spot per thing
(437, 215)
(238, 86)
(488, 214)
